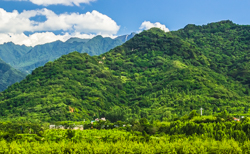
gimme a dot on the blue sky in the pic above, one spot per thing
(67, 18)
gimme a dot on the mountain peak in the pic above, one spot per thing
(77, 40)
(98, 36)
(125, 38)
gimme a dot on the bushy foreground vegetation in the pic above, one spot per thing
(186, 145)
(189, 134)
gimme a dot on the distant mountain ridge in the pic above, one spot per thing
(27, 59)
(125, 38)
(75, 39)
(9, 52)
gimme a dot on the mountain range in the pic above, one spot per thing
(26, 59)
(156, 75)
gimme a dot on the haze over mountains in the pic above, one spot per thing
(155, 75)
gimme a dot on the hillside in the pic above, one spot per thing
(155, 75)
(227, 43)
(9, 75)
(10, 52)
(27, 59)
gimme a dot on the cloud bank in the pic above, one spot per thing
(14, 24)
(39, 38)
(147, 25)
(91, 22)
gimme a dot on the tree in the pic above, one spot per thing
(193, 114)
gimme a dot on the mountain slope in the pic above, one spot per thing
(27, 59)
(9, 52)
(155, 75)
(41, 54)
(8, 75)
(66, 82)
(227, 43)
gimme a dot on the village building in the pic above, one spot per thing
(236, 119)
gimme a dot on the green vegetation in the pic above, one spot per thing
(225, 47)
(123, 145)
(41, 54)
(188, 134)
(26, 59)
(155, 75)
(9, 75)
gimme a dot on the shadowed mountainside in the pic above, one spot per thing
(9, 75)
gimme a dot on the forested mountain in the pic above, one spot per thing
(9, 75)
(27, 59)
(226, 44)
(154, 75)
(10, 52)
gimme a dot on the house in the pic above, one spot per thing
(52, 126)
(60, 127)
(235, 119)
(103, 119)
(78, 127)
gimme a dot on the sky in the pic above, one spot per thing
(33, 22)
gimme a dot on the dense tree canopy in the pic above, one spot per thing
(155, 75)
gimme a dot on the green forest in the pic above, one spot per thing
(155, 75)
(150, 90)
(188, 134)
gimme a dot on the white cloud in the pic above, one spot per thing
(91, 22)
(38, 38)
(58, 2)
(147, 25)
(42, 38)
(14, 24)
